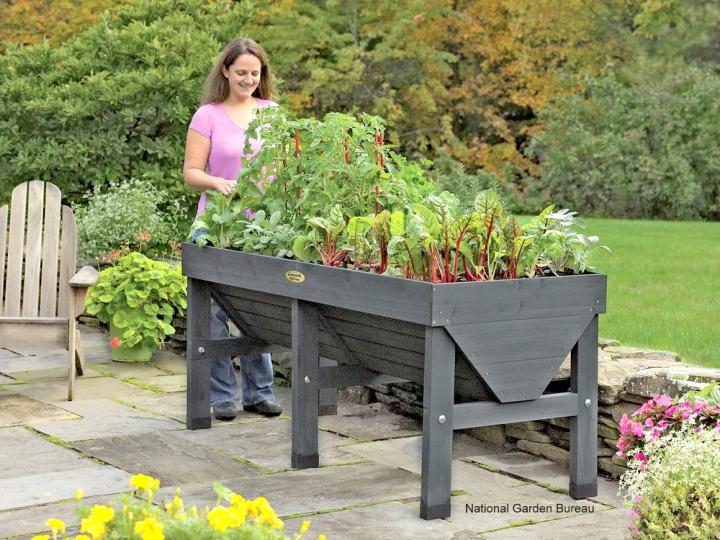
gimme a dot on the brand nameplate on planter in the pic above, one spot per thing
(295, 277)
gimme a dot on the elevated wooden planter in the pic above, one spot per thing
(498, 343)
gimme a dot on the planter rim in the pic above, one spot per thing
(429, 304)
(381, 276)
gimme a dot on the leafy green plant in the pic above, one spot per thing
(128, 216)
(140, 297)
(334, 190)
(710, 394)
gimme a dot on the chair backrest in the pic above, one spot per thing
(37, 252)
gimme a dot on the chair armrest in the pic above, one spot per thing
(87, 276)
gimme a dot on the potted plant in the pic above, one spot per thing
(138, 298)
(354, 255)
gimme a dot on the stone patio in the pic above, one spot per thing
(129, 418)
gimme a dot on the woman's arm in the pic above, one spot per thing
(197, 150)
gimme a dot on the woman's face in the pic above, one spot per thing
(243, 75)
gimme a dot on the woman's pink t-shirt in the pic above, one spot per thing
(227, 142)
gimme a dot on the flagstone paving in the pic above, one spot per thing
(170, 459)
(130, 418)
(17, 409)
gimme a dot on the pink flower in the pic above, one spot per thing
(700, 406)
(622, 444)
(649, 422)
(655, 433)
(637, 429)
(662, 424)
(641, 457)
(663, 401)
(625, 424)
(670, 411)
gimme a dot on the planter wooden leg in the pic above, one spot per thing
(305, 387)
(583, 427)
(198, 364)
(438, 402)
(327, 400)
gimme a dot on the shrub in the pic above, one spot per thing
(135, 516)
(128, 216)
(115, 101)
(675, 492)
(641, 151)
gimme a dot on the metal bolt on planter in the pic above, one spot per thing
(201, 350)
(442, 419)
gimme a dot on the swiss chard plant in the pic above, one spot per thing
(331, 192)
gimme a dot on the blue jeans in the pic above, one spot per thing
(256, 371)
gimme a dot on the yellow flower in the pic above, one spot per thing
(142, 482)
(149, 529)
(237, 500)
(175, 507)
(101, 513)
(41, 537)
(93, 527)
(56, 525)
(304, 527)
(276, 523)
(218, 518)
(82, 537)
(321, 537)
(79, 494)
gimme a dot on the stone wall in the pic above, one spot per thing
(627, 377)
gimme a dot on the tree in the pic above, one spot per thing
(114, 102)
(29, 21)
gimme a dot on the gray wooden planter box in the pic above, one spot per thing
(497, 343)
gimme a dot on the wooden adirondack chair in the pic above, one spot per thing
(40, 293)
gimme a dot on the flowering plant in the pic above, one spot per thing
(132, 215)
(139, 297)
(662, 415)
(135, 516)
(674, 491)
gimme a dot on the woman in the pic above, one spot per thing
(238, 84)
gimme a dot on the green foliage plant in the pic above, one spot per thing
(114, 101)
(140, 297)
(710, 394)
(127, 216)
(674, 493)
(336, 195)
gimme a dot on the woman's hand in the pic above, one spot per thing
(223, 186)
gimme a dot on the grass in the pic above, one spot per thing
(663, 285)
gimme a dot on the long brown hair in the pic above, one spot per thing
(216, 86)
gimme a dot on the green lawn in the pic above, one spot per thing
(663, 285)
